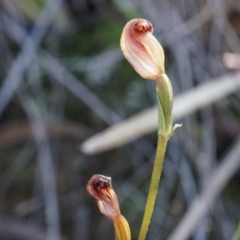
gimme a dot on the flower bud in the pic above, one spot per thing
(142, 49)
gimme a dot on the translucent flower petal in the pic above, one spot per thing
(142, 49)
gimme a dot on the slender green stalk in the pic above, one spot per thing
(122, 229)
(146, 55)
(153, 190)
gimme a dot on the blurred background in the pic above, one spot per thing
(64, 79)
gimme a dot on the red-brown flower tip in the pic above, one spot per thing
(142, 25)
(100, 188)
(142, 49)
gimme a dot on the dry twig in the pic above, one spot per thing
(220, 177)
(145, 122)
(28, 50)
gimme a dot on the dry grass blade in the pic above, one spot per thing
(145, 122)
(46, 168)
(54, 67)
(216, 183)
(29, 48)
(57, 70)
(64, 70)
(231, 60)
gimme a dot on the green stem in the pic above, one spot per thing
(153, 190)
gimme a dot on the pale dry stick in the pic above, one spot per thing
(231, 60)
(228, 32)
(146, 121)
(184, 28)
(11, 28)
(182, 53)
(151, 11)
(96, 68)
(186, 180)
(28, 50)
(63, 75)
(219, 179)
(10, 86)
(46, 167)
(207, 159)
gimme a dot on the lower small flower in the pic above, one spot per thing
(100, 188)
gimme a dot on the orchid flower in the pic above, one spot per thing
(142, 49)
(100, 188)
(146, 55)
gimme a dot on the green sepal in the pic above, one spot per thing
(165, 103)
